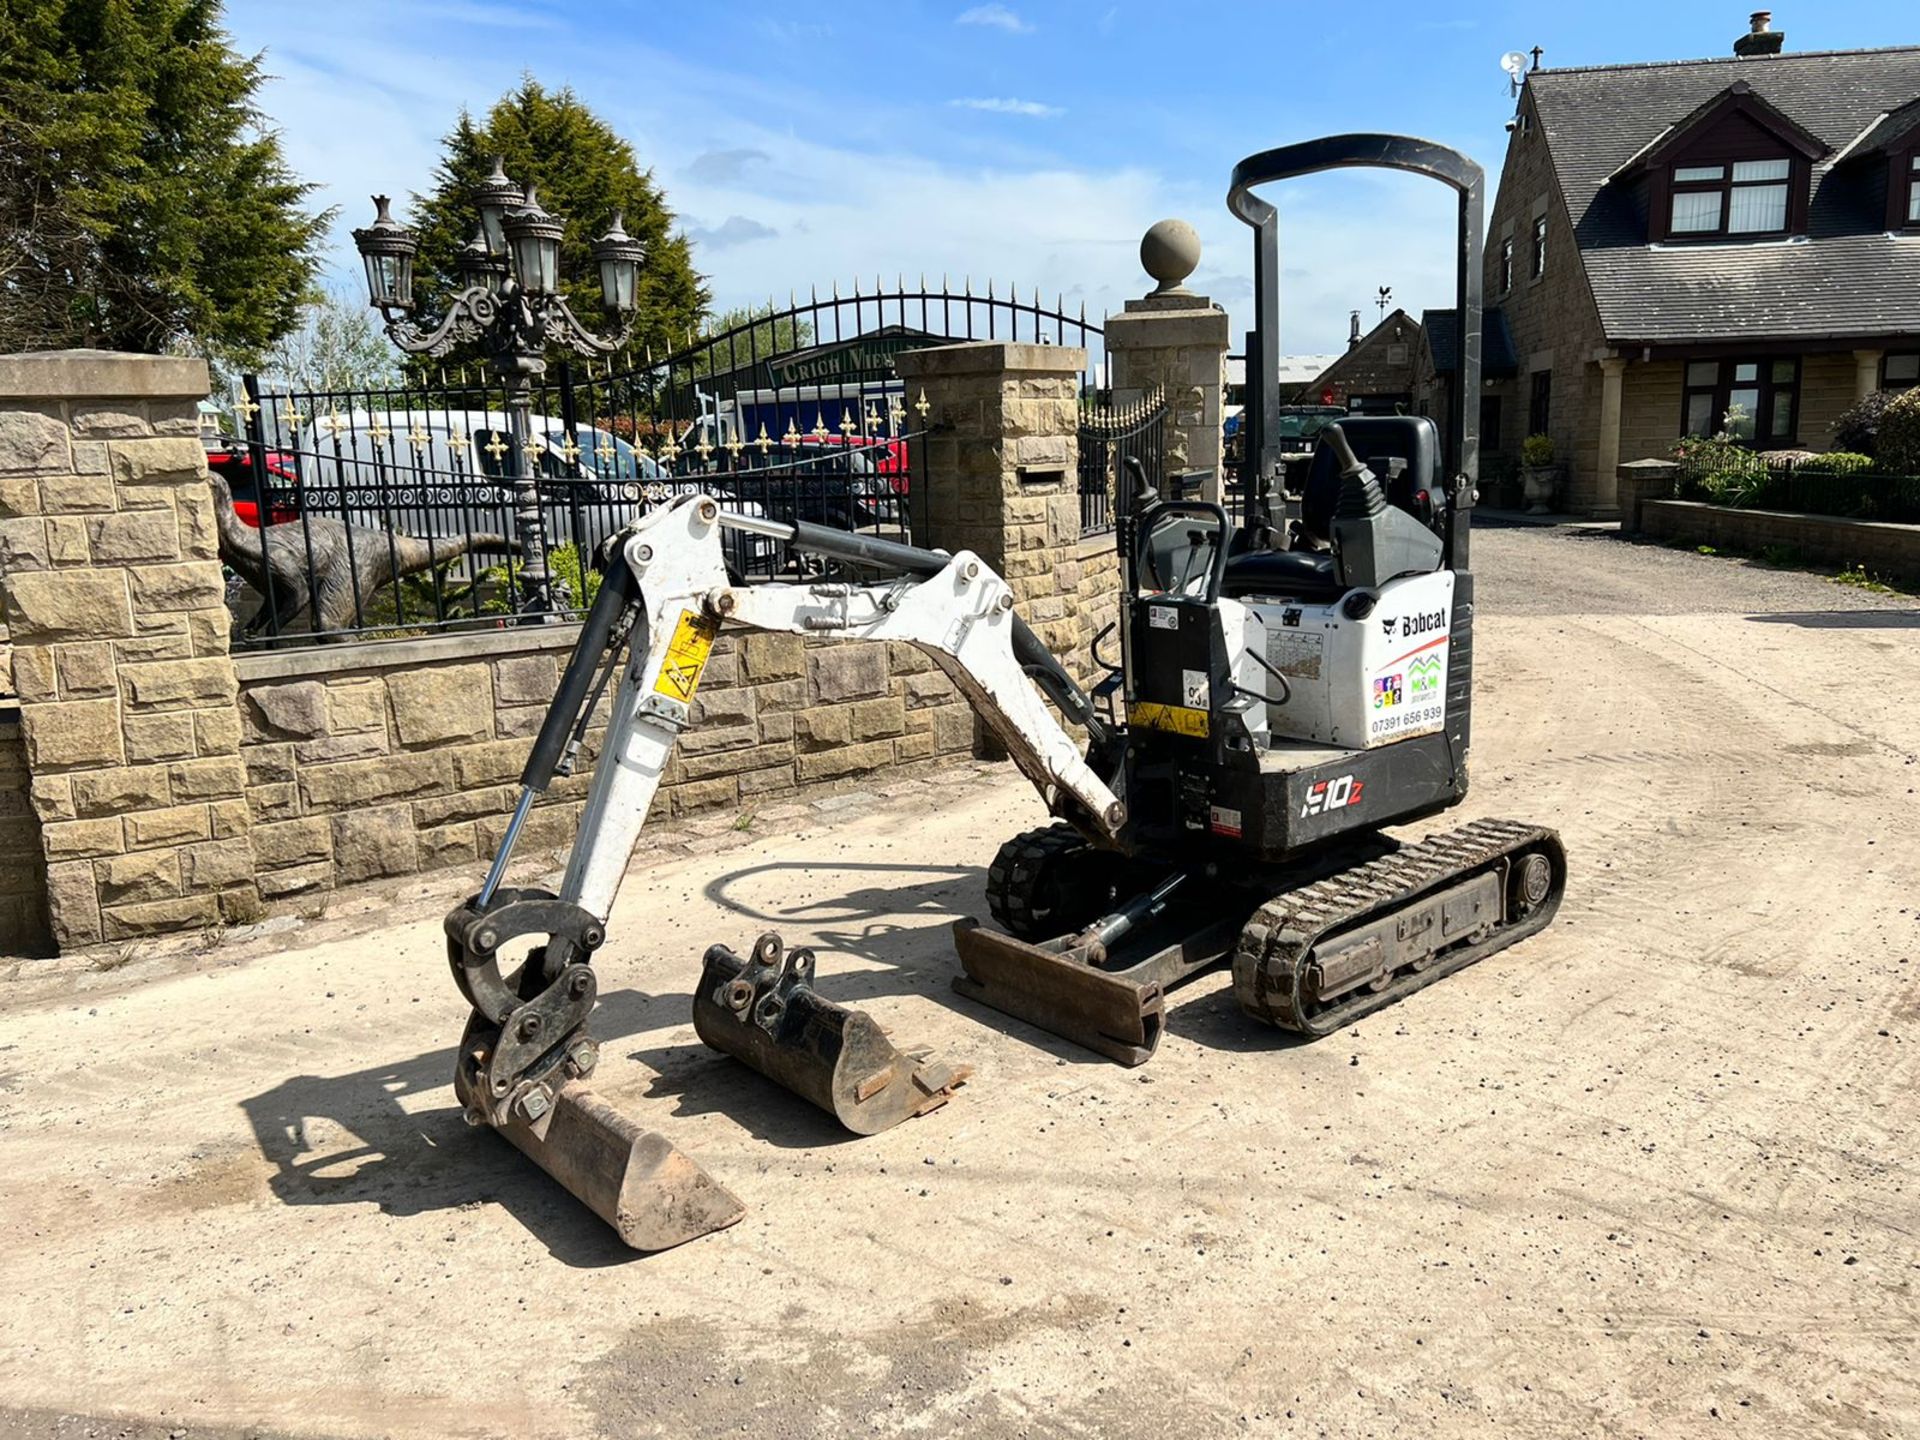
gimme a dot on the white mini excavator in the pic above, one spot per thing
(1285, 689)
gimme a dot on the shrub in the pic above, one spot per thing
(1898, 450)
(1536, 450)
(1836, 462)
(1858, 430)
(1724, 471)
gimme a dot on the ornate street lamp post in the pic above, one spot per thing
(510, 303)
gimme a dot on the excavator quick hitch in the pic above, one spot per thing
(764, 1011)
(523, 1065)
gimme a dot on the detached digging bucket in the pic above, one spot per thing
(764, 1011)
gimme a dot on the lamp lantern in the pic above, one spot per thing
(533, 242)
(387, 249)
(495, 196)
(619, 255)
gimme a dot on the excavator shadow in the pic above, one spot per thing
(354, 1139)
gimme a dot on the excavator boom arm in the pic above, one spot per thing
(955, 608)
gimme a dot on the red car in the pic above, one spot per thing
(233, 462)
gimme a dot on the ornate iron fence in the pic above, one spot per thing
(1813, 486)
(1108, 437)
(392, 510)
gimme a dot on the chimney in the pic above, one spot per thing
(1353, 330)
(1762, 39)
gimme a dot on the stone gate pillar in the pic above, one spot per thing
(1000, 474)
(1174, 341)
(112, 587)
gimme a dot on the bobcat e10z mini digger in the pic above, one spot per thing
(1285, 688)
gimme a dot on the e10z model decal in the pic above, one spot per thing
(1334, 794)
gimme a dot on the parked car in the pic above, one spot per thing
(232, 461)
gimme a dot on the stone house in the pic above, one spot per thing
(1693, 245)
(1374, 377)
(1436, 365)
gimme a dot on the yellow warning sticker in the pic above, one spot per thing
(1174, 719)
(687, 655)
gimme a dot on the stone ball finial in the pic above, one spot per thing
(1169, 251)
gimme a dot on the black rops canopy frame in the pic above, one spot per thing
(1370, 152)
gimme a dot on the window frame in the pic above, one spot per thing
(1887, 380)
(1727, 187)
(1537, 267)
(1540, 402)
(1913, 189)
(1506, 264)
(1766, 386)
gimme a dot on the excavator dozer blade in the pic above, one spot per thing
(764, 1011)
(633, 1178)
(1111, 1014)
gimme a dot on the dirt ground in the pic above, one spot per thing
(1648, 1173)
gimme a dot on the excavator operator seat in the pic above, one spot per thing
(1403, 451)
(1378, 440)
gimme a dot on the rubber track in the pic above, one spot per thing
(1269, 962)
(1016, 871)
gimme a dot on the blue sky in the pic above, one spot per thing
(1030, 142)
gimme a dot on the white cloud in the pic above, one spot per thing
(999, 17)
(734, 230)
(850, 190)
(1031, 108)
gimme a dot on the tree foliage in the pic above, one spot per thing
(583, 172)
(749, 333)
(142, 202)
(1898, 451)
(335, 346)
(1858, 429)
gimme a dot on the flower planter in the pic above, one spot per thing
(1537, 486)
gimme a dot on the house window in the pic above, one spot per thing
(1506, 265)
(1900, 372)
(1540, 402)
(1748, 197)
(1754, 401)
(1539, 246)
(1913, 191)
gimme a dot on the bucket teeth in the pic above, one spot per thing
(764, 1011)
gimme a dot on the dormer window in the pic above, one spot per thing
(1743, 197)
(1736, 167)
(1913, 190)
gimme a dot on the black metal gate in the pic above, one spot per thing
(1109, 436)
(392, 510)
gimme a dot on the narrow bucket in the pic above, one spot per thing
(764, 1011)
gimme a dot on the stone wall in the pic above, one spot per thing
(1555, 324)
(1175, 345)
(160, 783)
(119, 625)
(1889, 551)
(23, 865)
(388, 758)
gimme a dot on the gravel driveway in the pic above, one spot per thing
(1648, 1173)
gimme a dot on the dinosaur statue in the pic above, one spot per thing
(350, 564)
